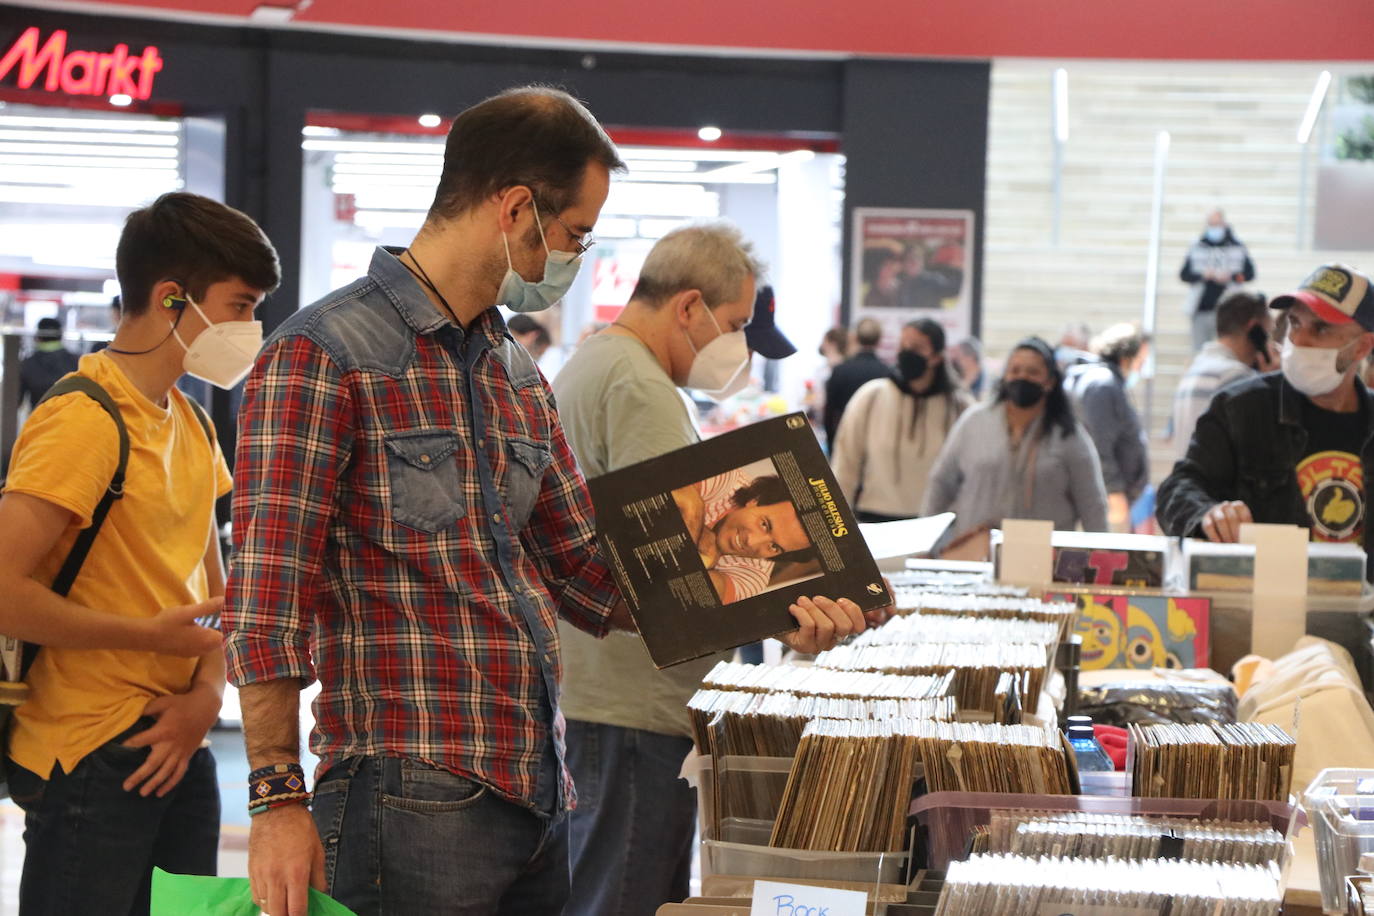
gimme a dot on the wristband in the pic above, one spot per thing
(282, 783)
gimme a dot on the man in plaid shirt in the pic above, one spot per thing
(409, 524)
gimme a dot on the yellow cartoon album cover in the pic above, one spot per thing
(1142, 631)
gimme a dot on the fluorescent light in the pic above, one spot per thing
(377, 220)
(387, 159)
(1314, 106)
(691, 153)
(661, 165)
(104, 196)
(57, 149)
(615, 228)
(71, 136)
(430, 120)
(751, 167)
(658, 228)
(77, 162)
(698, 177)
(709, 134)
(646, 199)
(42, 174)
(121, 100)
(311, 130)
(1061, 105)
(373, 146)
(125, 123)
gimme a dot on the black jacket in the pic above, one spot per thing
(847, 378)
(39, 371)
(1247, 446)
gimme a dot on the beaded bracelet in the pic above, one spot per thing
(276, 785)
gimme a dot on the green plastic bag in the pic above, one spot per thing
(197, 895)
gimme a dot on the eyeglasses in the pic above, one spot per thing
(577, 237)
(578, 240)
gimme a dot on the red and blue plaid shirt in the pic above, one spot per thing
(408, 522)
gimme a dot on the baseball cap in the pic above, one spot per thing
(49, 329)
(1337, 293)
(762, 332)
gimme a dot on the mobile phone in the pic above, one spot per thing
(1259, 338)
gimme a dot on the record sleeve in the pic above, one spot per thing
(710, 544)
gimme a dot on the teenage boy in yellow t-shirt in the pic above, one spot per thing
(106, 755)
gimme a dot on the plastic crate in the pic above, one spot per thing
(945, 820)
(1342, 819)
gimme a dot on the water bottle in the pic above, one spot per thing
(1089, 754)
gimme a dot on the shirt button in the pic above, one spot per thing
(424, 459)
(481, 443)
(496, 517)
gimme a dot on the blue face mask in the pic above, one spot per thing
(1215, 234)
(560, 269)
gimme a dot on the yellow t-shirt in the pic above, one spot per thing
(148, 556)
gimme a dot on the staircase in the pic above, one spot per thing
(1233, 144)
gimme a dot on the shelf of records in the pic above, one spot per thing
(921, 764)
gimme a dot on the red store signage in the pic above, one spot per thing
(79, 72)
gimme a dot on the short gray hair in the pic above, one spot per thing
(714, 258)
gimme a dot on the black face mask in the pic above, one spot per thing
(911, 365)
(1023, 392)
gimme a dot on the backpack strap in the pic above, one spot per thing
(66, 576)
(203, 419)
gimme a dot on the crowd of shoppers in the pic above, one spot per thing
(412, 527)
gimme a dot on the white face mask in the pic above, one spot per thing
(1311, 370)
(721, 368)
(223, 353)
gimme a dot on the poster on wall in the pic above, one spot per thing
(909, 264)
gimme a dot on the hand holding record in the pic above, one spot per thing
(822, 624)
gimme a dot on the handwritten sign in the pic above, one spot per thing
(772, 899)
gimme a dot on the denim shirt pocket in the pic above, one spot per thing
(525, 467)
(426, 488)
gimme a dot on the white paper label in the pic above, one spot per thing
(772, 899)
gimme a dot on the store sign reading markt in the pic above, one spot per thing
(96, 73)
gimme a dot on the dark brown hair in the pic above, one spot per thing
(195, 241)
(1236, 310)
(533, 136)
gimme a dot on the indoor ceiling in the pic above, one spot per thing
(1127, 29)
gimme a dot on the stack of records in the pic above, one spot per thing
(977, 757)
(1243, 761)
(1085, 835)
(726, 722)
(977, 667)
(918, 601)
(998, 884)
(924, 628)
(817, 682)
(849, 787)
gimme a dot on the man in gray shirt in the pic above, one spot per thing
(619, 402)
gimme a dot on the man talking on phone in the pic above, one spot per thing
(1243, 349)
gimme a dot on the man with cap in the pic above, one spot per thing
(1290, 447)
(691, 323)
(48, 362)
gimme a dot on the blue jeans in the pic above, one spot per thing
(90, 847)
(402, 837)
(633, 828)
